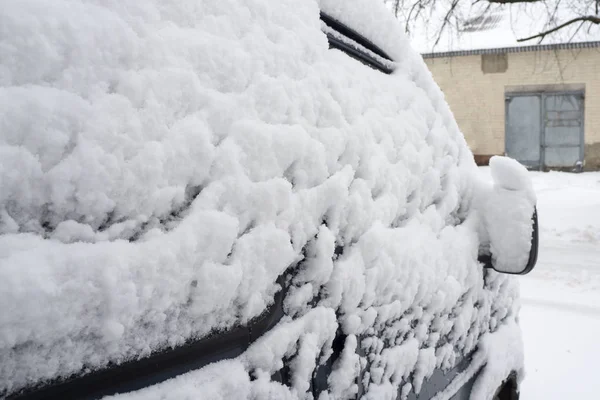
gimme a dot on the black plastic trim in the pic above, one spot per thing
(353, 35)
(163, 365)
(535, 244)
(355, 51)
(439, 381)
(361, 56)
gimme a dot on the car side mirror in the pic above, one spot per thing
(487, 261)
(510, 231)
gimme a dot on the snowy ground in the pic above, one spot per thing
(560, 316)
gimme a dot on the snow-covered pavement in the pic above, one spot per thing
(560, 315)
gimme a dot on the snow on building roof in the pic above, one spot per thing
(491, 26)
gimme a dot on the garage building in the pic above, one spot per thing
(538, 103)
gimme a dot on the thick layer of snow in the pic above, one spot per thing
(507, 213)
(163, 162)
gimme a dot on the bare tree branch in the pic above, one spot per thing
(585, 13)
(446, 20)
(577, 30)
(587, 18)
(412, 9)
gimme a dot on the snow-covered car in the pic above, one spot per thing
(266, 199)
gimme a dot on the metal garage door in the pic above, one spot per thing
(545, 129)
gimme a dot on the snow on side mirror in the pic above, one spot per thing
(510, 219)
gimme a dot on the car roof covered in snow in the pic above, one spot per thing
(163, 162)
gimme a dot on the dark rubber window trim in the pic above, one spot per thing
(355, 51)
(162, 365)
(353, 35)
(361, 56)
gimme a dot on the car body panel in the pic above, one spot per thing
(238, 199)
